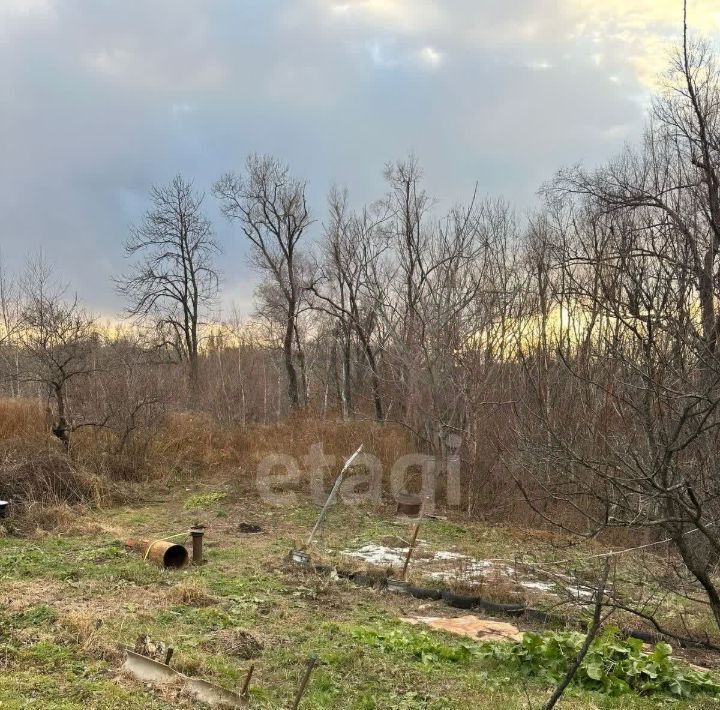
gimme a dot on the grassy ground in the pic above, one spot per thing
(70, 601)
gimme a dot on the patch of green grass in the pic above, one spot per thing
(57, 677)
(201, 620)
(613, 666)
(419, 645)
(38, 615)
(203, 500)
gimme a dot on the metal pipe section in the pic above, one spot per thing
(197, 545)
(166, 554)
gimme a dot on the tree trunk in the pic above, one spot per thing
(61, 429)
(375, 382)
(303, 371)
(346, 388)
(698, 568)
(292, 382)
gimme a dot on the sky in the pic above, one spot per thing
(101, 99)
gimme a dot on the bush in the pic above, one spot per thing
(44, 475)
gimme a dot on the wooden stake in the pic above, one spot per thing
(246, 683)
(312, 662)
(413, 540)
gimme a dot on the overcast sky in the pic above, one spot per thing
(100, 99)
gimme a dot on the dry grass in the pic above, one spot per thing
(55, 518)
(45, 475)
(21, 419)
(193, 441)
(191, 592)
(235, 642)
(84, 630)
(37, 474)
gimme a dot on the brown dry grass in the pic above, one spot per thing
(37, 473)
(34, 474)
(21, 419)
(84, 629)
(190, 441)
(191, 592)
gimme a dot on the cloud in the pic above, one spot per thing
(540, 65)
(405, 16)
(19, 16)
(430, 56)
(102, 100)
(639, 31)
(26, 8)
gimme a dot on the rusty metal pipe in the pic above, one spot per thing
(197, 545)
(166, 554)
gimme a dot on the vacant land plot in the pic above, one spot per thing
(73, 599)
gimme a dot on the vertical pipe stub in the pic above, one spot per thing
(197, 534)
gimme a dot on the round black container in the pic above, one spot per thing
(424, 593)
(459, 601)
(4, 505)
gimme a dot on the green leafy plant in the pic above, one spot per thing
(204, 500)
(613, 665)
(417, 644)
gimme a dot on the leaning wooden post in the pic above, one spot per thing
(332, 495)
(312, 661)
(413, 540)
(246, 684)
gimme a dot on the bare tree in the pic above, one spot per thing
(347, 285)
(57, 338)
(636, 247)
(271, 208)
(409, 205)
(174, 280)
(10, 320)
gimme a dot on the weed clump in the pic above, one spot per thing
(191, 592)
(204, 500)
(235, 642)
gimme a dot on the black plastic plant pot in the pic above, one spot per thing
(459, 601)
(364, 580)
(424, 593)
(4, 505)
(397, 586)
(504, 609)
